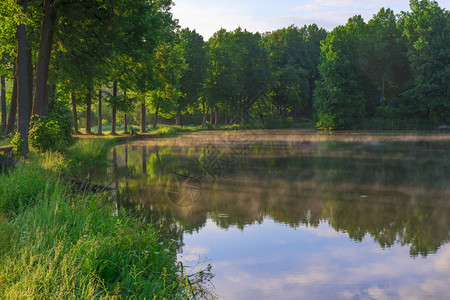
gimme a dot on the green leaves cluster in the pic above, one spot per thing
(394, 66)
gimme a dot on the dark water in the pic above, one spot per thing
(299, 215)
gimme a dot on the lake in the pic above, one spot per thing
(294, 214)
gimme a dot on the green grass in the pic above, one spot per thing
(56, 245)
(87, 154)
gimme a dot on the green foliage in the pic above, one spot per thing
(18, 144)
(46, 135)
(427, 30)
(339, 95)
(53, 132)
(294, 54)
(327, 121)
(209, 126)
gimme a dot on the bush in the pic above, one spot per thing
(209, 126)
(46, 135)
(18, 144)
(327, 121)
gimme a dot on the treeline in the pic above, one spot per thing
(133, 56)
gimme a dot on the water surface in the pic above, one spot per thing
(289, 214)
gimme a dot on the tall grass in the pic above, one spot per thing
(87, 154)
(55, 245)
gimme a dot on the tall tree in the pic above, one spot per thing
(40, 104)
(22, 82)
(192, 80)
(3, 102)
(169, 65)
(427, 29)
(339, 97)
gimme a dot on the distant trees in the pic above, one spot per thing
(395, 66)
(392, 67)
(426, 29)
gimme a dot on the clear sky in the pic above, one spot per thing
(208, 16)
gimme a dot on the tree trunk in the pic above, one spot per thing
(12, 108)
(100, 116)
(143, 118)
(114, 111)
(210, 115)
(3, 102)
(178, 120)
(155, 121)
(74, 113)
(22, 85)
(204, 114)
(226, 115)
(40, 105)
(88, 111)
(30, 82)
(382, 90)
(125, 123)
(216, 118)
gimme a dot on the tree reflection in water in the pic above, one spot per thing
(393, 188)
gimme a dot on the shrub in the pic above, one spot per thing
(46, 135)
(327, 121)
(209, 126)
(18, 144)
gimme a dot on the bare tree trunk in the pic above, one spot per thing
(382, 90)
(125, 123)
(100, 116)
(204, 113)
(216, 118)
(30, 82)
(226, 114)
(178, 120)
(88, 111)
(155, 120)
(3, 102)
(40, 105)
(22, 84)
(114, 111)
(74, 113)
(143, 118)
(210, 115)
(12, 108)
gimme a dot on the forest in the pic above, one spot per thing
(70, 65)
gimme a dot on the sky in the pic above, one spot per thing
(208, 16)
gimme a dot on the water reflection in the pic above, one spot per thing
(389, 189)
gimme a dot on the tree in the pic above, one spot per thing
(294, 60)
(386, 62)
(169, 65)
(40, 104)
(22, 83)
(427, 30)
(192, 80)
(339, 96)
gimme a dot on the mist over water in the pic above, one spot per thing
(292, 214)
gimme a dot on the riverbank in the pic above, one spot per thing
(57, 245)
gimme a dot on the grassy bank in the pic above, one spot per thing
(57, 245)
